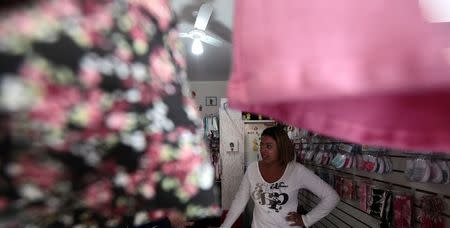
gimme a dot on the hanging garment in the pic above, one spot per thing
(367, 72)
(377, 202)
(402, 211)
(445, 171)
(363, 194)
(348, 189)
(96, 127)
(339, 185)
(386, 219)
(431, 212)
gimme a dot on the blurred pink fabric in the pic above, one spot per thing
(370, 72)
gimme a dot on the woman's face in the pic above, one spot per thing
(268, 150)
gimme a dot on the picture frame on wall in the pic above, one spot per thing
(211, 101)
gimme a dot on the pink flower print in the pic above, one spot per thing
(120, 105)
(95, 38)
(189, 189)
(157, 214)
(176, 170)
(189, 102)
(124, 54)
(64, 96)
(161, 65)
(134, 180)
(98, 195)
(172, 38)
(185, 164)
(3, 203)
(129, 83)
(179, 58)
(118, 211)
(94, 96)
(23, 23)
(58, 9)
(108, 167)
(159, 9)
(88, 115)
(33, 74)
(153, 155)
(172, 137)
(157, 138)
(90, 78)
(49, 113)
(102, 19)
(68, 96)
(52, 109)
(117, 120)
(97, 15)
(175, 47)
(187, 153)
(44, 175)
(137, 33)
(95, 115)
(148, 92)
(147, 189)
(142, 182)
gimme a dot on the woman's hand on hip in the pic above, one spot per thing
(295, 218)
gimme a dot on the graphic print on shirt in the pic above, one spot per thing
(271, 195)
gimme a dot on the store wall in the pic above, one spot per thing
(213, 90)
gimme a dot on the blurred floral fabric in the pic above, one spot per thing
(97, 126)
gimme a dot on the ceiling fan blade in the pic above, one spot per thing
(209, 39)
(185, 35)
(204, 13)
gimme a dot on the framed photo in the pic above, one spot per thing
(211, 101)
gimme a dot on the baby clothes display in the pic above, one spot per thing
(402, 210)
(424, 169)
(430, 216)
(380, 205)
(377, 201)
(374, 183)
(365, 72)
(348, 190)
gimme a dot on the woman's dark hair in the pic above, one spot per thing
(284, 145)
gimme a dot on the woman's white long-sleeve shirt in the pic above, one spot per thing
(273, 201)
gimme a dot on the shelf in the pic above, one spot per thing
(259, 121)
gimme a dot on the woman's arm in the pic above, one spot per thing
(239, 202)
(328, 196)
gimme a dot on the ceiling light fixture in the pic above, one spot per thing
(198, 33)
(197, 47)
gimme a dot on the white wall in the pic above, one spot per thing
(205, 89)
(231, 130)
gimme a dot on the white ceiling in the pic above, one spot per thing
(214, 64)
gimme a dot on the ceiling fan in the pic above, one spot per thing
(198, 33)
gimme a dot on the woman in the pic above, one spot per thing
(97, 126)
(273, 185)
